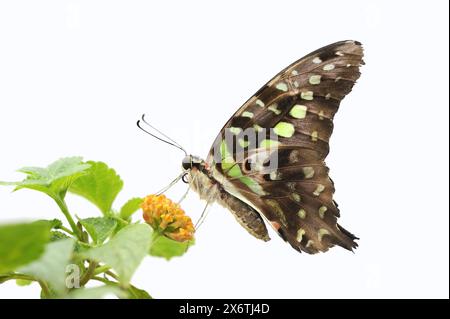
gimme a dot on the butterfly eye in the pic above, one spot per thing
(187, 163)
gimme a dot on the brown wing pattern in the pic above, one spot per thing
(295, 112)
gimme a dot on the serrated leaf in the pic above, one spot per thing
(96, 292)
(99, 228)
(167, 248)
(57, 235)
(22, 243)
(53, 223)
(125, 251)
(100, 186)
(51, 266)
(54, 179)
(130, 207)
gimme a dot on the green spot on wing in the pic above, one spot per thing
(235, 171)
(308, 95)
(228, 164)
(243, 143)
(235, 130)
(224, 151)
(298, 111)
(284, 129)
(282, 86)
(252, 184)
(269, 143)
(247, 114)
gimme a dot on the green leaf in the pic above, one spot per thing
(22, 243)
(55, 178)
(162, 246)
(23, 282)
(100, 228)
(53, 223)
(96, 292)
(57, 235)
(136, 293)
(100, 186)
(125, 251)
(51, 266)
(130, 207)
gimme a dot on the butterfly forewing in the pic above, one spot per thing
(292, 119)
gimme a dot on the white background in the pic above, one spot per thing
(76, 75)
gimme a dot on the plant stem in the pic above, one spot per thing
(66, 230)
(111, 274)
(105, 281)
(44, 288)
(63, 206)
(16, 276)
(101, 269)
(41, 283)
(89, 273)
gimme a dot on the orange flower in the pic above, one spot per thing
(167, 218)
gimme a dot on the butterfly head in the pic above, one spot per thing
(191, 161)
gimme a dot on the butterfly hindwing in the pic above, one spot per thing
(295, 112)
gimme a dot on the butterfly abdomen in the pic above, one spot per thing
(211, 191)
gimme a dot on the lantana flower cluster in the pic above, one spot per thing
(167, 218)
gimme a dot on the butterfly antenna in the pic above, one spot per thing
(168, 141)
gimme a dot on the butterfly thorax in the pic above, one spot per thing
(199, 177)
(202, 181)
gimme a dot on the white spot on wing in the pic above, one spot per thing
(322, 232)
(300, 234)
(247, 114)
(319, 189)
(259, 103)
(308, 95)
(322, 211)
(282, 86)
(274, 109)
(308, 172)
(275, 176)
(314, 79)
(302, 213)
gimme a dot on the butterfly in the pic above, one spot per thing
(268, 161)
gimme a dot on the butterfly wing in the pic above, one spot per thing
(292, 119)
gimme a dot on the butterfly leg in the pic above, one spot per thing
(202, 216)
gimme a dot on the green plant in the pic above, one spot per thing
(64, 258)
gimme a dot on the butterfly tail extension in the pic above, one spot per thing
(349, 238)
(313, 241)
